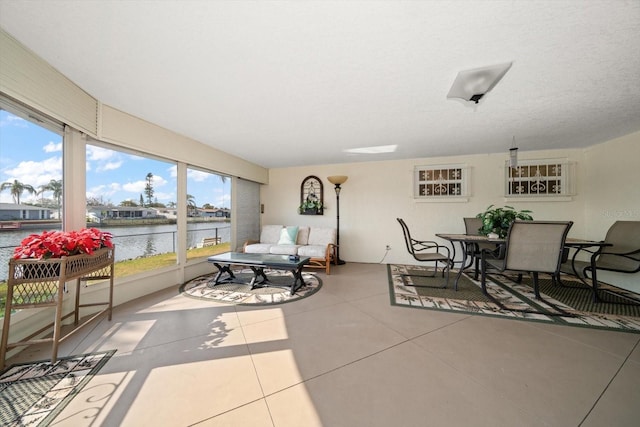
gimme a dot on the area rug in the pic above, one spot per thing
(33, 394)
(240, 293)
(569, 303)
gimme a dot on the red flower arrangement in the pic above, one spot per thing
(56, 244)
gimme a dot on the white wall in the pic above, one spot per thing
(376, 193)
(612, 176)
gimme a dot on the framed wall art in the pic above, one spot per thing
(311, 196)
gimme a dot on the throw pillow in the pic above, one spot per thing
(288, 236)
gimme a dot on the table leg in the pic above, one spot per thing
(594, 279)
(226, 268)
(462, 265)
(257, 272)
(297, 276)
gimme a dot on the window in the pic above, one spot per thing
(440, 182)
(208, 213)
(30, 177)
(539, 178)
(129, 195)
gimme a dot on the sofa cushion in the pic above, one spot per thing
(258, 248)
(288, 236)
(284, 249)
(270, 234)
(303, 236)
(322, 236)
(313, 251)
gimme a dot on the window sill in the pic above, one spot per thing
(538, 199)
(461, 199)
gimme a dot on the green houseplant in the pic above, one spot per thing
(498, 220)
(310, 207)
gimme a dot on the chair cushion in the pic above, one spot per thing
(288, 236)
(313, 251)
(284, 249)
(270, 234)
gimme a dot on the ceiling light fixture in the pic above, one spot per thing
(472, 85)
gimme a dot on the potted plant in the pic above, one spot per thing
(496, 221)
(310, 207)
(37, 252)
(56, 244)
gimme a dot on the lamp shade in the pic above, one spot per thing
(337, 179)
(472, 85)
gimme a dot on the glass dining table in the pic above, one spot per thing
(471, 239)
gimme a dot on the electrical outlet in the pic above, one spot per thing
(388, 247)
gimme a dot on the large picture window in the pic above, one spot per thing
(31, 187)
(130, 195)
(208, 213)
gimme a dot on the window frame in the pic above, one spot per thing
(565, 179)
(421, 181)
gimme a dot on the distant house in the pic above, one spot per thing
(215, 213)
(120, 212)
(15, 212)
(171, 213)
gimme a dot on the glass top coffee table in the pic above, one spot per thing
(257, 263)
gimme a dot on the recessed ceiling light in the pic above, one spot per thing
(379, 149)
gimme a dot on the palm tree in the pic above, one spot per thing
(191, 203)
(16, 189)
(55, 186)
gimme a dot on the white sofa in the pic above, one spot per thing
(318, 243)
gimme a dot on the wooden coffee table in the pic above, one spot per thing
(257, 263)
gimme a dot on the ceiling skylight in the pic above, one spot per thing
(378, 149)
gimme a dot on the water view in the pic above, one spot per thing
(131, 242)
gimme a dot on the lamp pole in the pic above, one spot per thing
(337, 181)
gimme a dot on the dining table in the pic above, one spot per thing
(464, 240)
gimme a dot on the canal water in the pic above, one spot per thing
(131, 242)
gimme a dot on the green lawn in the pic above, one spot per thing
(134, 266)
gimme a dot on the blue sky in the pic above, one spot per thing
(33, 155)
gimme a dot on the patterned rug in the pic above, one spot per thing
(33, 394)
(568, 304)
(240, 293)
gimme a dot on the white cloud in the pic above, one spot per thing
(16, 121)
(139, 186)
(36, 173)
(197, 176)
(134, 187)
(98, 153)
(104, 190)
(158, 181)
(109, 166)
(52, 147)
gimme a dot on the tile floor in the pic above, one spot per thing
(346, 357)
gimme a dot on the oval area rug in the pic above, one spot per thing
(240, 293)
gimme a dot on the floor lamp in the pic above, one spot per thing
(337, 181)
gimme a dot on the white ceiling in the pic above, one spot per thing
(291, 83)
